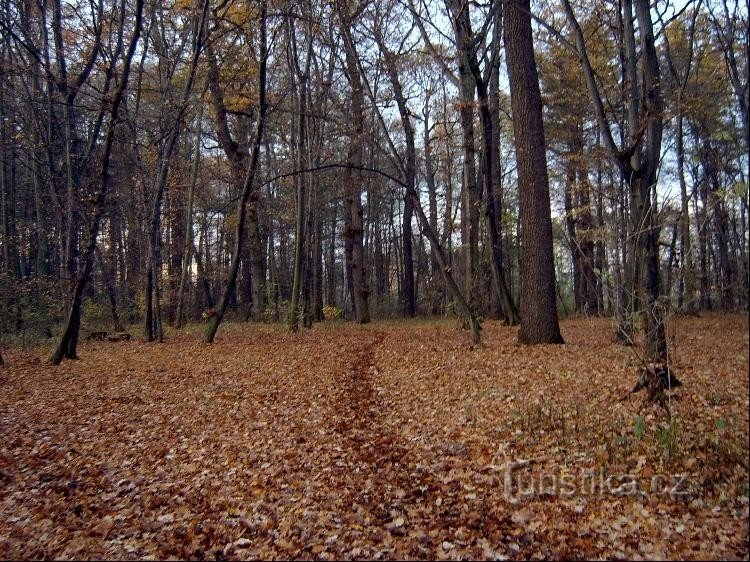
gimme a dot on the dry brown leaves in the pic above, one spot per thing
(387, 441)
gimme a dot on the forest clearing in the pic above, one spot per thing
(374, 279)
(394, 440)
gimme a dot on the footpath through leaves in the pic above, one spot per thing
(387, 441)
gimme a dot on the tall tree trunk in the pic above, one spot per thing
(153, 265)
(7, 199)
(409, 168)
(539, 321)
(299, 236)
(570, 224)
(702, 216)
(301, 75)
(638, 164)
(188, 243)
(686, 293)
(507, 306)
(354, 180)
(460, 18)
(236, 151)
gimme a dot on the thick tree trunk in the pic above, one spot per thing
(539, 321)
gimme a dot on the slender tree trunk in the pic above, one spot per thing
(465, 310)
(507, 306)
(686, 294)
(7, 199)
(154, 260)
(301, 90)
(409, 164)
(570, 223)
(188, 246)
(331, 260)
(249, 185)
(110, 286)
(69, 340)
(300, 180)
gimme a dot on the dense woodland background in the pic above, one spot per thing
(168, 162)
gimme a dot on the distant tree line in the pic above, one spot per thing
(164, 162)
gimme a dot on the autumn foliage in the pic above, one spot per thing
(382, 441)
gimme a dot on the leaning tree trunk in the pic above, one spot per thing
(539, 321)
(445, 269)
(69, 339)
(249, 186)
(410, 173)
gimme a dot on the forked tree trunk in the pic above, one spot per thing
(637, 162)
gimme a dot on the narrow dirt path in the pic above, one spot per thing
(411, 508)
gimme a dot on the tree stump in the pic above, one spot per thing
(656, 379)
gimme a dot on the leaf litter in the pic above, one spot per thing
(388, 441)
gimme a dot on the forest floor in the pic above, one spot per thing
(396, 440)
